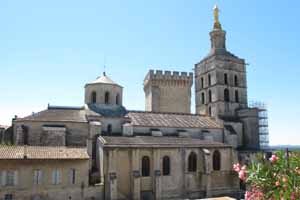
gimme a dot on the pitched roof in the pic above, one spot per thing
(104, 80)
(42, 152)
(108, 110)
(176, 120)
(152, 141)
(56, 114)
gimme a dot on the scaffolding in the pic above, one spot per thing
(263, 126)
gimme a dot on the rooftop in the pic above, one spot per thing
(104, 79)
(58, 114)
(152, 141)
(41, 152)
(174, 120)
(108, 110)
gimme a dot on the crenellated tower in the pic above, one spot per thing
(168, 91)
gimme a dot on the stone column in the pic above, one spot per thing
(112, 174)
(157, 174)
(94, 129)
(136, 182)
(207, 172)
(184, 171)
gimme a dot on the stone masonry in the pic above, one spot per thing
(168, 91)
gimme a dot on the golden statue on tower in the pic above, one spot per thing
(217, 24)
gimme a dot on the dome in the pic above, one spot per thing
(104, 79)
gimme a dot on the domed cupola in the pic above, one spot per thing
(103, 91)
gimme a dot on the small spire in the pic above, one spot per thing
(217, 24)
(104, 66)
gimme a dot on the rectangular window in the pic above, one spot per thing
(1, 179)
(37, 177)
(72, 176)
(10, 178)
(8, 197)
(55, 177)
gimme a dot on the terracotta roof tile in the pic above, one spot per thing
(176, 120)
(42, 152)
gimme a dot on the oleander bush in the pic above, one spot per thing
(276, 178)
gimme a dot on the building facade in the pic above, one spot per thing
(39, 172)
(164, 152)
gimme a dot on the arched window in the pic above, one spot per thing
(192, 162)
(202, 98)
(106, 100)
(225, 79)
(109, 129)
(209, 96)
(237, 96)
(236, 81)
(216, 160)
(202, 82)
(226, 95)
(166, 165)
(209, 79)
(209, 111)
(145, 166)
(94, 97)
(118, 99)
(25, 131)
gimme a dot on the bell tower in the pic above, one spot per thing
(221, 86)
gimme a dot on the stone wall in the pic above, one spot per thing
(86, 193)
(215, 134)
(250, 120)
(209, 76)
(100, 90)
(2, 135)
(123, 175)
(53, 136)
(75, 135)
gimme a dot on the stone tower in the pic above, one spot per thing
(168, 91)
(103, 91)
(221, 86)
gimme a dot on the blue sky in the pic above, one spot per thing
(49, 50)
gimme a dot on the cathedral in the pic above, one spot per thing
(102, 150)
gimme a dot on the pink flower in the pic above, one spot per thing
(237, 167)
(247, 195)
(277, 183)
(273, 158)
(242, 175)
(293, 196)
(244, 167)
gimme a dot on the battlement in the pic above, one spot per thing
(168, 77)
